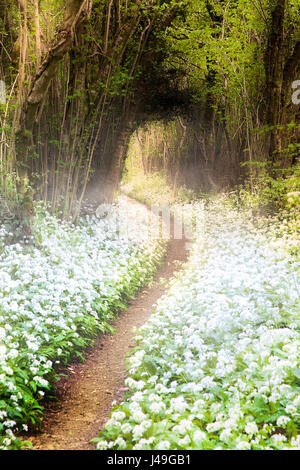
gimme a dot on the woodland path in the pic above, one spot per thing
(85, 398)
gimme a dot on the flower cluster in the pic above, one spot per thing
(217, 364)
(57, 296)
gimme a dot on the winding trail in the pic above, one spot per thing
(84, 400)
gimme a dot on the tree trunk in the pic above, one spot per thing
(274, 78)
(115, 171)
(37, 34)
(76, 11)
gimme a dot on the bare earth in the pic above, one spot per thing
(85, 398)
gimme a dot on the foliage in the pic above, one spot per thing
(16, 207)
(221, 49)
(57, 296)
(217, 364)
(154, 190)
(271, 194)
(151, 190)
(128, 63)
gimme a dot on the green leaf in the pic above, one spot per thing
(150, 365)
(296, 373)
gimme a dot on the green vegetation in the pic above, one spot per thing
(207, 88)
(55, 299)
(217, 364)
(192, 104)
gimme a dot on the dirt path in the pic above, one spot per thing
(85, 398)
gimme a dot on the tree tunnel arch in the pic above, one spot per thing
(198, 148)
(79, 87)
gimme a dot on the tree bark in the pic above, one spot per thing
(274, 78)
(37, 34)
(115, 171)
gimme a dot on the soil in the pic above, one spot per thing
(83, 401)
